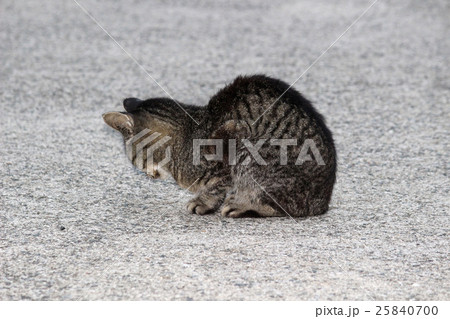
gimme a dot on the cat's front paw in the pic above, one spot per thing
(196, 206)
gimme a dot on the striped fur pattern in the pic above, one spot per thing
(250, 109)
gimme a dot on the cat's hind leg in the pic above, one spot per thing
(209, 198)
(241, 203)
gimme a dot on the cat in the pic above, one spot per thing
(253, 116)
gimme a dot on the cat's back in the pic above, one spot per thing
(272, 107)
(260, 94)
(252, 88)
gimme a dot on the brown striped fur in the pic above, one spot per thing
(241, 190)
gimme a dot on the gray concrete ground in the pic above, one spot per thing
(78, 222)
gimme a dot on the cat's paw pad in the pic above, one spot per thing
(236, 211)
(196, 206)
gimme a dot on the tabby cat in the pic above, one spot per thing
(260, 167)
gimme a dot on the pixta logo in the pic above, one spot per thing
(253, 149)
(142, 147)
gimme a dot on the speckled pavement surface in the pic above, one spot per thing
(78, 222)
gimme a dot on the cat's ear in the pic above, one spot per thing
(119, 121)
(132, 104)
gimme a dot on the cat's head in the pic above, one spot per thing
(148, 131)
